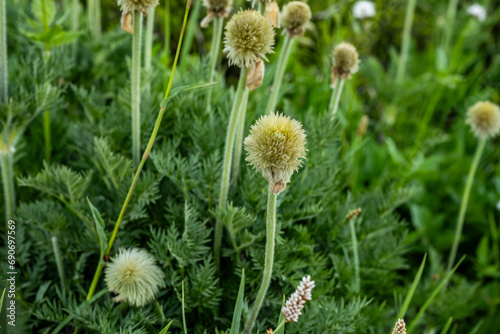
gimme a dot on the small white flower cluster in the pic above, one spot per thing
(478, 11)
(363, 9)
(294, 305)
(400, 327)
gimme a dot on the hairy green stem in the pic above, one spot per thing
(268, 263)
(136, 88)
(405, 47)
(47, 136)
(335, 99)
(59, 262)
(214, 55)
(94, 17)
(450, 23)
(7, 167)
(148, 40)
(145, 156)
(239, 139)
(228, 157)
(465, 199)
(280, 72)
(357, 280)
(4, 70)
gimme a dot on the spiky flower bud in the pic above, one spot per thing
(141, 6)
(275, 147)
(249, 37)
(400, 327)
(216, 8)
(294, 305)
(134, 275)
(484, 119)
(295, 16)
(345, 61)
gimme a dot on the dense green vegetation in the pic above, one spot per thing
(67, 125)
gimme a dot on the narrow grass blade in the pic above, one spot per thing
(281, 318)
(84, 304)
(165, 330)
(411, 291)
(183, 310)
(447, 326)
(1, 299)
(433, 295)
(235, 326)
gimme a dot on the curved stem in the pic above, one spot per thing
(214, 55)
(268, 264)
(3, 54)
(136, 88)
(405, 47)
(239, 139)
(145, 156)
(228, 156)
(280, 72)
(7, 168)
(335, 99)
(465, 200)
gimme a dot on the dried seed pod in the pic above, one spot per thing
(272, 13)
(126, 22)
(484, 119)
(296, 15)
(249, 37)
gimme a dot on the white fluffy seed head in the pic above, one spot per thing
(294, 305)
(363, 9)
(484, 119)
(134, 276)
(478, 11)
(141, 6)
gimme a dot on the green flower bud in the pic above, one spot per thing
(295, 16)
(141, 6)
(345, 60)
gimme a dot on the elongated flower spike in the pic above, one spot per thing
(216, 8)
(295, 16)
(276, 147)
(400, 327)
(134, 275)
(249, 37)
(294, 305)
(345, 61)
(484, 119)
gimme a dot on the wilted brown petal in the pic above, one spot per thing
(127, 22)
(255, 75)
(272, 12)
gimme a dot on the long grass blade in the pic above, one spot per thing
(235, 326)
(165, 329)
(411, 291)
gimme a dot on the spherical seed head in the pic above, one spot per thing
(249, 36)
(276, 147)
(218, 5)
(141, 6)
(134, 275)
(295, 16)
(345, 60)
(484, 119)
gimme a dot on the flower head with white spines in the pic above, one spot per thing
(294, 305)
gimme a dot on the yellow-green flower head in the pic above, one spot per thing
(134, 275)
(276, 147)
(484, 119)
(345, 60)
(249, 36)
(218, 5)
(296, 15)
(141, 6)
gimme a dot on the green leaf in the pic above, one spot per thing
(446, 327)
(235, 326)
(99, 226)
(433, 295)
(411, 291)
(53, 36)
(176, 91)
(165, 329)
(281, 330)
(44, 11)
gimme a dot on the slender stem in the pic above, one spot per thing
(214, 55)
(280, 325)
(335, 99)
(47, 136)
(228, 156)
(405, 48)
(59, 262)
(97, 28)
(136, 88)
(75, 13)
(465, 200)
(239, 139)
(357, 281)
(7, 167)
(148, 40)
(145, 156)
(450, 23)
(4, 72)
(191, 29)
(183, 311)
(268, 263)
(167, 28)
(280, 72)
